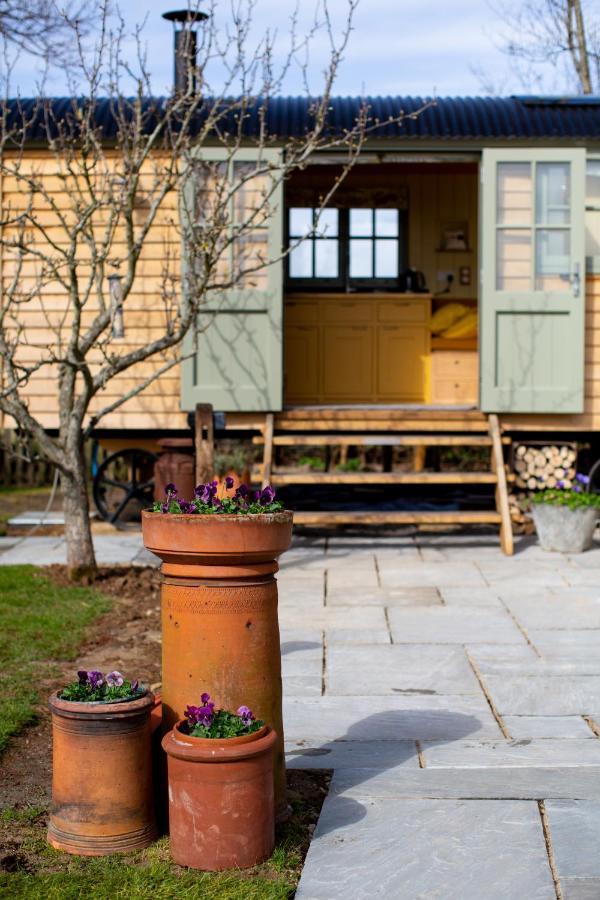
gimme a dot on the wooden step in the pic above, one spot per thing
(282, 478)
(406, 517)
(361, 424)
(380, 440)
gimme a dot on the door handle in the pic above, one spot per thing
(576, 280)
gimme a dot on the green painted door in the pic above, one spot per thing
(532, 303)
(236, 351)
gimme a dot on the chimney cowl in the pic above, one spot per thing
(185, 47)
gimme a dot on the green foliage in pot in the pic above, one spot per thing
(205, 721)
(94, 687)
(576, 497)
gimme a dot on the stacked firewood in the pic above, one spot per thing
(538, 467)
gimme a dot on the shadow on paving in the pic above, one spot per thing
(456, 725)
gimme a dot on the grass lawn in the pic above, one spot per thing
(39, 622)
(42, 623)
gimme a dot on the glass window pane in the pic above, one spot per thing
(386, 259)
(301, 261)
(386, 222)
(326, 259)
(251, 251)
(327, 223)
(552, 259)
(361, 222)
(301, 220)
(513, 259)
(361, 259)
(553, 193)
(513, 197)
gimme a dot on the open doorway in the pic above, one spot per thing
(381, 299)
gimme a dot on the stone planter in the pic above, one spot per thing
(101, 776)
(221, 809)
(220, 631)
(564, 530)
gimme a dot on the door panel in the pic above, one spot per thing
(401, 362)
(347, 362)
(301, 363)
(532, 289)
(235, 357)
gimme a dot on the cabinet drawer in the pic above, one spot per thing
(297, 313)
(403, 310)
(344, 311)
(454, 390)
(454, 364)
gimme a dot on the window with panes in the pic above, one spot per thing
(345, 249)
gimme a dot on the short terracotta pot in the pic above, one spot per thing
(220, 630)
(221, 805)
(101, 776)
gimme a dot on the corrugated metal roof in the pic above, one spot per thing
(476, 118)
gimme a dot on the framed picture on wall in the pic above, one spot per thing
(454, 236)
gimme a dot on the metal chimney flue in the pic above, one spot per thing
(185, 47)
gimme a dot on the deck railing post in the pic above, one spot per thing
(204, 441)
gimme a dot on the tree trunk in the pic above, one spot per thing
(81, 560)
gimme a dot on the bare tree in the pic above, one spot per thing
(42, 27)
(561, 34)
(80, 216)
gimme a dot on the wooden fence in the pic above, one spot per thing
(20, 463)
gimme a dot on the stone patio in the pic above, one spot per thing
(456, 695)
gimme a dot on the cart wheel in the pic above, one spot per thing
(124, 485)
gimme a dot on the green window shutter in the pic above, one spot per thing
(532, 301)
(237, 363)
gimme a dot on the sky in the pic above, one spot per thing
(404, 47)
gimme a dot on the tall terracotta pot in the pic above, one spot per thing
(220, 631)
(221, 810)
(101, 776)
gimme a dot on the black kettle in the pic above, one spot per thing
(415, 282)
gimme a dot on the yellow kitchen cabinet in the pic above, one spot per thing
(364, 348)
(301, 348)
(402, 355)
(455, 377)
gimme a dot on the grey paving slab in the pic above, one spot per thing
(391, 718)
(575, 832)
(301, 685)
(464, 596)
(353, 594)
(483, 654)
(400, 668)
(398, 574)
(348, 579)
(517, 783)
(553, 612)
(351, 754)
(39, 551)
(526, 752)
(333, 617)
(301, 664)
(552, 643)
(548, 727)
(530, 695)
(453, 625)
(400, 848)
(305, 643)
(580, 888)
(362, 636)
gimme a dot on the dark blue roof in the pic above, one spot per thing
(476, 118)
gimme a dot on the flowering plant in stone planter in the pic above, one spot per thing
(208, 500)
(206, 722)
(100, 727)
(94, 687)
(565, 517)
(219, 555)
(221, 801)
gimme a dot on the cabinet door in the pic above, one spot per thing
(347, 362)
(402, 363)
(301, 363)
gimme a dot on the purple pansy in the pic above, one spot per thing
(229, 482)
(560, 483)
(205, 699)
(114, 679)
(134, 686)
(82, 675)
(582, 479)
(171, 490)
(242, 492)
(246, 715)
(267, 496)
(96, 679)
(200, 715)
